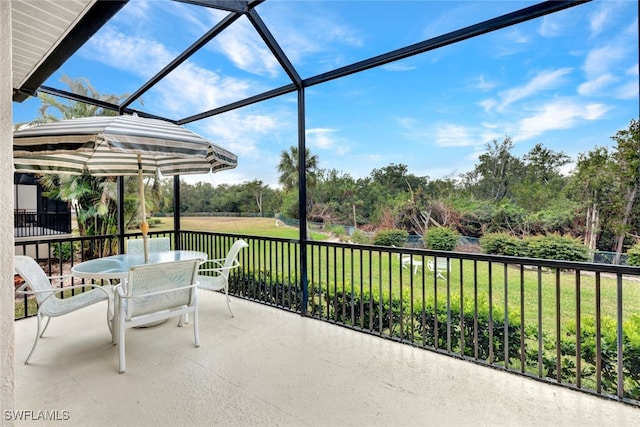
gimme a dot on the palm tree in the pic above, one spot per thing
(289, 168)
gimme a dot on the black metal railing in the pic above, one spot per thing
(34, 223)
(566, 323)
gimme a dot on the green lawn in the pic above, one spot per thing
(372, 271)
(375, 271)
(264, 227)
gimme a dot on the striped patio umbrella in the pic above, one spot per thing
(117, 146)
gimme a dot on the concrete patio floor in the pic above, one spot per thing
(270, 367)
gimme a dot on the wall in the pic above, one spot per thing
(7, 346)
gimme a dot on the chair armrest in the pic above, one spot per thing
(221, 269)
(22, 288)
(106, 289)
(219, 262)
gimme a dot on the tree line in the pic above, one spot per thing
(528, 195)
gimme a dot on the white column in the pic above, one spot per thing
(7, 307)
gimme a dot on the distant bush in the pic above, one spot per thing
(550, 246)
(503, 244)
(391, 237)
(440, 239)
(554, 246)
(359, 236)
(633, 255)
(335, 229)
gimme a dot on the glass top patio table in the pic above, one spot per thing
(117, 266)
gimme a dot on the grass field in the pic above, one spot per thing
(356, 266)
(265, 227)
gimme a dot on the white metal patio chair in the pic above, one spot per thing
(408, 261)
(152, 293)
(216, 277)
(441, 266)
(156, 244)
(48, 298)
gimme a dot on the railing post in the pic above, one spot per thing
(121, 223)
(176, 212)
(302, 201)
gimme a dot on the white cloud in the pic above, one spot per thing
(598, 19)
(628, 90)
(488, 104)
(482, 84)
(244, 47)
(127, 53)
(320, 138)
(542, 81)
(549, 27)
(451, 135)
(395, 66)
(631, 88)
(559, 114)
(602, 59)
(596, 85)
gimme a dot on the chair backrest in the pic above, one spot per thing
(156, 244)
(155, 287)
(231, 256)
(34, 276)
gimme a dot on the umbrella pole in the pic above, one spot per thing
(144, 227)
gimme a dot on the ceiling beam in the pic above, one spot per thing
(519, 16)
(98, 103)
(242, 103)
(195, 47)
(236, 6)
(275, 48)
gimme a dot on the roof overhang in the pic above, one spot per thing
(46, 33)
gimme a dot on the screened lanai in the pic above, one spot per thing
(220, 38)
(254, 74)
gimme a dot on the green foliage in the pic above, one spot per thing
(554, 246)
(441, 239)
(633, 255)
(390, 238)
(63, 251)
(290, 205)
(608, 354)
(550, 246)
(360, 237)
(503, 244)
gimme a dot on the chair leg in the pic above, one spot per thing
(196, 331)
(110, 316)
(184, 320)
(226, 293)
(45, 326)
(38, 335)
(121, 340)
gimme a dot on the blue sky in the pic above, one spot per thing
(568, 81)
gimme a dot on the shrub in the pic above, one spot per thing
(359, 236)
(391, 237)
(554, 246)
(64, 251)
(503, 244)
(335, 229)
(633, 255)
(440, 239)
